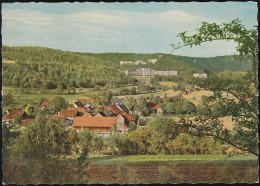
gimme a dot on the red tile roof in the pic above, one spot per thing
(26, 122)
(68, 113)
(114, 109)
(44, 103)
(84, 101)
(152, 105)
(105, 122)
(129, 117)
(13, 113)
(78, 109)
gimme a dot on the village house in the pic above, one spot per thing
(86, 103)
(123, 108)
(200, 75)
(76, 104)
(101, 125)
(43, 104)
(80, 110)
(113, 108)
(154, 107)
(26, 122)
(128, 118)
(70, 115)
(11, 114)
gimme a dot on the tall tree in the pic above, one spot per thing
(56, 104)
(243, 110)
(8, 100)
(46, 138)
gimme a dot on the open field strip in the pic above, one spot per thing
(168, 83)
(169, 159)
(198, 94)
(8, 61)
(225, 120)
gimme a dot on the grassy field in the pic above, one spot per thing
(106, 160)
(145, 80)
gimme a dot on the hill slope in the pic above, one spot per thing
(179, 63)
(39, 67)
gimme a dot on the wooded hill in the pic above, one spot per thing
(39, 67)
(179, 63)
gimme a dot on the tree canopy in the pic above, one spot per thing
(244, 107)
(46, 138)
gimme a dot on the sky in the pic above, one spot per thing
(120, 27)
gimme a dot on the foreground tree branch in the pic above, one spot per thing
(244, 111)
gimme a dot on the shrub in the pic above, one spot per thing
(228, 174)
(166, 175)
(126, 175)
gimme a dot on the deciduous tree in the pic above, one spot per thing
(245, 110)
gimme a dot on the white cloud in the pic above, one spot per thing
(99, 31)
(35, 18)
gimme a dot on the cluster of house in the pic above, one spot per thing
(138, 62)
(80, 115)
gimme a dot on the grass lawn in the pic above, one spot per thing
(145, 80)
(171, 159)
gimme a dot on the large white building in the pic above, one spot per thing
(144, 72)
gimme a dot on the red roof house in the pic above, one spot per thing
(43, 104)
(81, 110)
(26, 122)
(153, 106)
(102, 124)
(84, 101)
(69, 114)
(13, 113)
(128, 118)
(114, 109)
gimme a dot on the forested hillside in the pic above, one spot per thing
(164, 62)
(216, 64)
(182, 64)
(39, 67)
